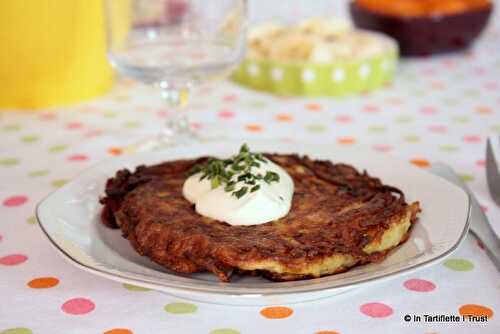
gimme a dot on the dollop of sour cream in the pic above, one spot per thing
(272, 201)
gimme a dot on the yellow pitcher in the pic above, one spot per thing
(52, 52)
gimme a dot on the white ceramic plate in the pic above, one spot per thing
(70, 219)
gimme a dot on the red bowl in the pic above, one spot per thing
(426, 35)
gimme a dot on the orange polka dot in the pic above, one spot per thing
(437, 85)
(118, 331)
(276, 312)
(346, 140)
(43, 282)
(198, 55)
(476, 310)
(115, 151)
(284, 117)
(128, 82)
(484, 110)
(313, 107)
(422, 163)
(395, 101)
(253, 127)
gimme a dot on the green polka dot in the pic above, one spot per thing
(448, 148)
(495, 128)
(31, 220)
(132, 124)
(256, 104)
(376, 129)
(316, 128)
(30, 139)
(9, 162)
(467, 177)
(411, 139)
(450, 101)
(12, 127)
(411, 77)
(403, 119)
(121, 98)
(131, 287)
(17, 330)
(459, 264)
(58, 183)
(471, 93)
(57, 148)
(461, 119)
(224, 331)
(419, 93)
(110, 114)
(180, 308)
(39, 172)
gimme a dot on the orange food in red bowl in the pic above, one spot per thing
(424, 27)
(413, 8)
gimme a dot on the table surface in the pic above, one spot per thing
(439, 109)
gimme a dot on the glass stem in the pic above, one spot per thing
(177, 127)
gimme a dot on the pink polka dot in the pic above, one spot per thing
(376, 310)
(481, 163)
(449, 63)
(230, 98)
(343, 119)
(491, 85)
(438, 129)
(78, 157)
(428, 71)
(162, 114)
(78, 306)
(472, 139)
(15, 200)
(13, 259)
(484, 208)
(369, 108)
(74, 125)
(225, 114)
(382, 147)
(480, 70)
(419, 285)
(1, 237)
(93, 133)
(428, 110)
(196, 125)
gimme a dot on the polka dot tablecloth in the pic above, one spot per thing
(439, 109)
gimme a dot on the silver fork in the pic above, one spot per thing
(492, 173)
(479, 225)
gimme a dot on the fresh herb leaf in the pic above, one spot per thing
(240, 193)
(255, 188)
(215, 182)
(271, 177)
(237, 169)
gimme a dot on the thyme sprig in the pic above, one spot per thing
(235, 174)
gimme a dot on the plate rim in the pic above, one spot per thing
(221, 289)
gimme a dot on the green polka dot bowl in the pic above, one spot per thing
(335, 79)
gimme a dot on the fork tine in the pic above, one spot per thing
(492, 173)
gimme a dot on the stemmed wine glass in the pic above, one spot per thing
(175, 45)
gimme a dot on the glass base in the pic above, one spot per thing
(162, 141)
